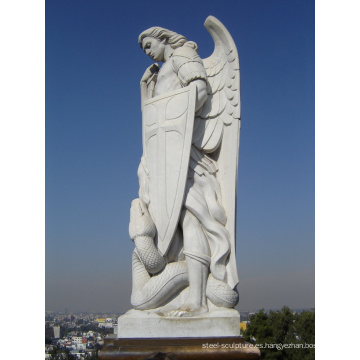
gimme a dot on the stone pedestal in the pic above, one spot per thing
(206, 348)
(149, 324)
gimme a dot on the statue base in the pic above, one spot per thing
(149, 324)
(209, 348)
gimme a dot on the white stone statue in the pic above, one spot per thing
(183, 223)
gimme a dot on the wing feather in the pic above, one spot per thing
(229, 93)
(216, 83)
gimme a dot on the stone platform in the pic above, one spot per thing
(149, 324)
(209, 348)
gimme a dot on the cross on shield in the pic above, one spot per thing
(168, 122)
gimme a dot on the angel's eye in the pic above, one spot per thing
(147, 46)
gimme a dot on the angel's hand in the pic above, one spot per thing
(149, 72)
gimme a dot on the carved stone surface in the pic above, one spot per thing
(148, 324)
(183, 223)
(168, 122)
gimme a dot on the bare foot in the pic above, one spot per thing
(188, 310)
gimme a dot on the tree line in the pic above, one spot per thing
(283, 335)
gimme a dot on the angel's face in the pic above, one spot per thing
(154, 48)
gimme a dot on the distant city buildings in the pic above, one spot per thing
(79, 334)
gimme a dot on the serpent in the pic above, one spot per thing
(155, 279)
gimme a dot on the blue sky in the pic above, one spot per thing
(93, 145)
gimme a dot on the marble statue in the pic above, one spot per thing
(183, 223)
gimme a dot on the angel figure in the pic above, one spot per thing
(183, 223)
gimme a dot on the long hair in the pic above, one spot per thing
(172, 38)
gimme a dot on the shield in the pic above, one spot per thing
(168, 122)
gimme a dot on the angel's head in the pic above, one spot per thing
(156, 41)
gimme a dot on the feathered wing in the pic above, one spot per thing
(217, 125)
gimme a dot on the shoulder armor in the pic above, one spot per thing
(188, 65)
